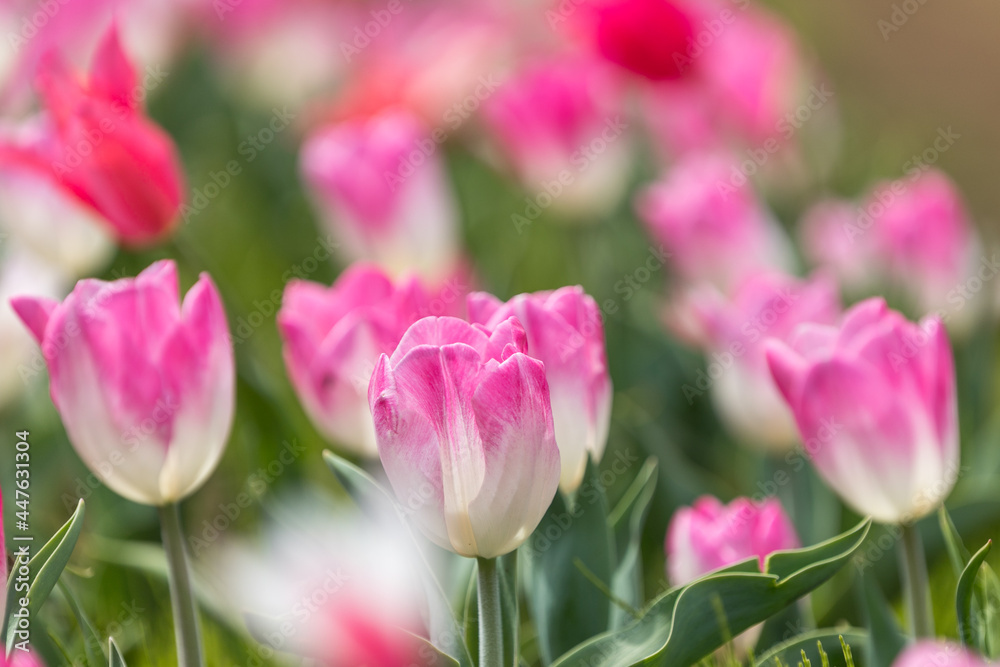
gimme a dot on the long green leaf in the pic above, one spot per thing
(681, 626)
(627, 521)
(887, 638)
(964, 593)
(116, 656)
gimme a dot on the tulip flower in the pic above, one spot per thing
(710, 220)
(560, 121)
(467, 414)
(565, 332)
(333, 338)
(380, 185)
(98, 146)
(876, 408)
(766, 306)
(647, 37)
(938, 654)
(145, 387)
(710, 535)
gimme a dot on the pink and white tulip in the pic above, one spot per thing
(463, 422)
(384, 194)
(144, 384)
(98, 147)
(333, 338)
(709, 535)
(876, 407)
(709, 219)
(767, 306)
(565, 332)
(561, 124)
(938, 654)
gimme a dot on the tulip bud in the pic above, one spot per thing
(145, 386)
(709, 219)
(766, 306)
(97, 146)
(876, 407)
(562, 125)
(938, 654)
(333, 338)
(380, 185)
(463, 422)
(710, 535)
(565, 333)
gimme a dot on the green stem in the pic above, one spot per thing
(181, 593)
(490, 622)
(915, 583)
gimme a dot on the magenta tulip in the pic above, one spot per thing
(565, 332)
(333, 338)
(876, 407)
(145, 386)
(463, 422)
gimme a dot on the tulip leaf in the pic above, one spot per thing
(815, 644)
(566, 605)
(958, 554)
(887, 638)
(372, 496)
(964, 596)
(682, 625)
(627, 521)
(90, 639)
(46, 566)
(116, 656)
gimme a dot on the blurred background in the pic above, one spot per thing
(233, 66)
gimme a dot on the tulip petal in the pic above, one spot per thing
(35, 313)
(515, 425)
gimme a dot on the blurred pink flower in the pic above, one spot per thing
(144, 385)
(709, 219)
(380, 185)
(467, 415)
(333, 336)
(876, 407)
(938, 654)
(710, 535)
(97, 145)
(914, 235)
(561, 123)
(766, 306)
(565, 332)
